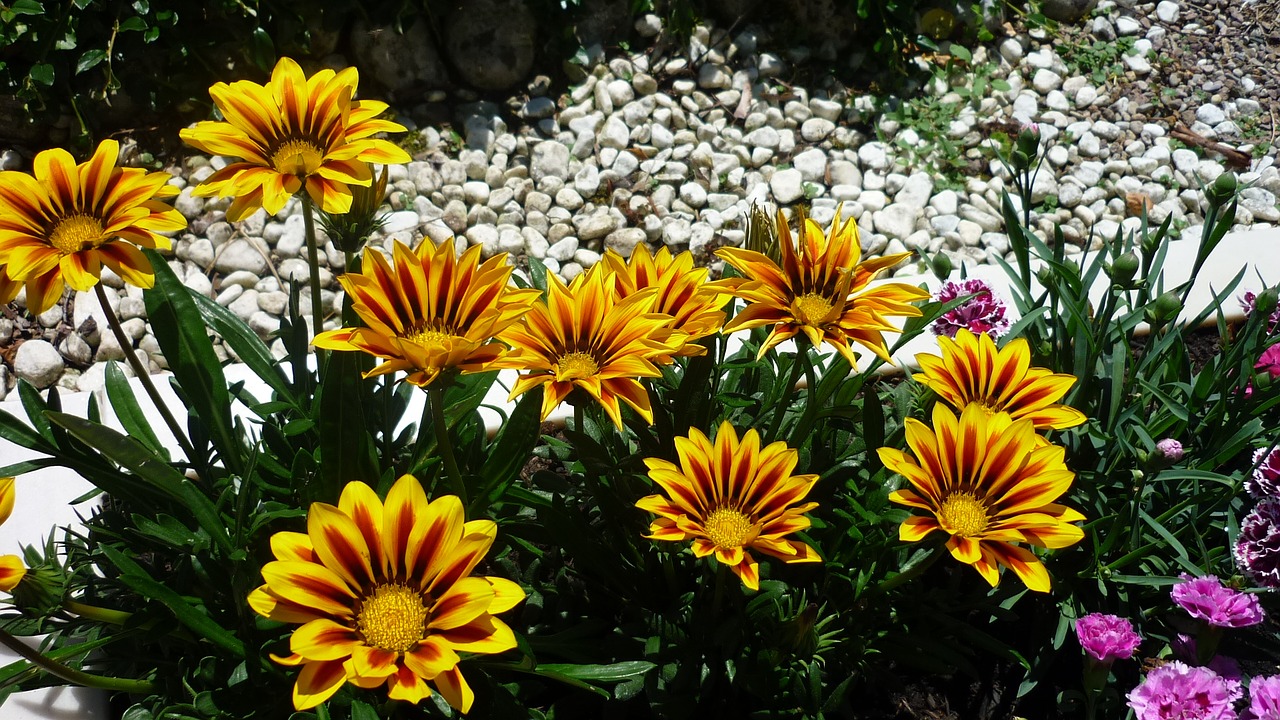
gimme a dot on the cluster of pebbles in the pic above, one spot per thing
(674, 150)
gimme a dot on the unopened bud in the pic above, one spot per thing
(1265, 302)
(1221, 190)
(1029, 140)
(1124, 268)
(1170, 449)
(941, 265)
(1045, 276)
(1163, 309)
(1021, 161)
(41, 590)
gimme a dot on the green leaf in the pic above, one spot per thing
(346, 449)
(36, 408)
(247, 346)
(363, 711)
(263, 49)
(509, 452)
(21, 434)
(130, 415)
(27, 7)
(129, 454)
(89, 59)
(538, 274)
(134, 23)
(196, 619)
(183, 337)
(616, 672)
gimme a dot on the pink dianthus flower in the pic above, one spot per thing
(1206, 598)
(1249, 301)
(1257, 549)
(1269, 360)
(1177, 691)
(1265, 481)
(1264, 699)
(982, 313)
(1107, 638)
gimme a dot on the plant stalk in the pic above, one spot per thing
(71, 675)
(93, 612)
(435, 398)
(789, 390)
(313, 260)
(144, 375)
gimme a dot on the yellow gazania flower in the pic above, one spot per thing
(385, 595)
(820, 290)
(731, 497)
(62, 225)
(11, 568)
(988, 482)
(972, 370)
(294, 132)
(683, 291)
(585, 336)
(431, 312)
(8, 288)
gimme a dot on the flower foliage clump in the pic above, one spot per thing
(645, 492)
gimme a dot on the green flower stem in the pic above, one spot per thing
(313, 260)
(1095, 680)
(93, 612)
(913, 571)
(789, 390)
(435, 398)
(143, 374)
(71, 675)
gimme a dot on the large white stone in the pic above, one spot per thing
(38, 362)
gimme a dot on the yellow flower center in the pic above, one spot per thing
(964, 515)
(812, 308)
(297, 157)
(73, 233)
(729, 528)
(393, 617)
(428, 336)
(576, 365)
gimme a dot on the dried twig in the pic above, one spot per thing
(1234, 158)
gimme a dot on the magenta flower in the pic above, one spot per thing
(1171, 449)
(1177, 691)
(1265, 482)
(1206, 598)
(982, 313)
(1107, 638)
(1264, 699)
(1269, 361)
(1257, 548)
(1249, 300)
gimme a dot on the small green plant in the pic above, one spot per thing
(1099, 60)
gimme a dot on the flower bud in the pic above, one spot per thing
(1221, 190)
(941, 265)
(41, 590)
(1029, 140)
(1265, 301)
(1124, 268)
(1163, 309)
(1021, 161)
(1170, 449)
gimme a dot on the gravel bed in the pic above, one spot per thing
(672, 146)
